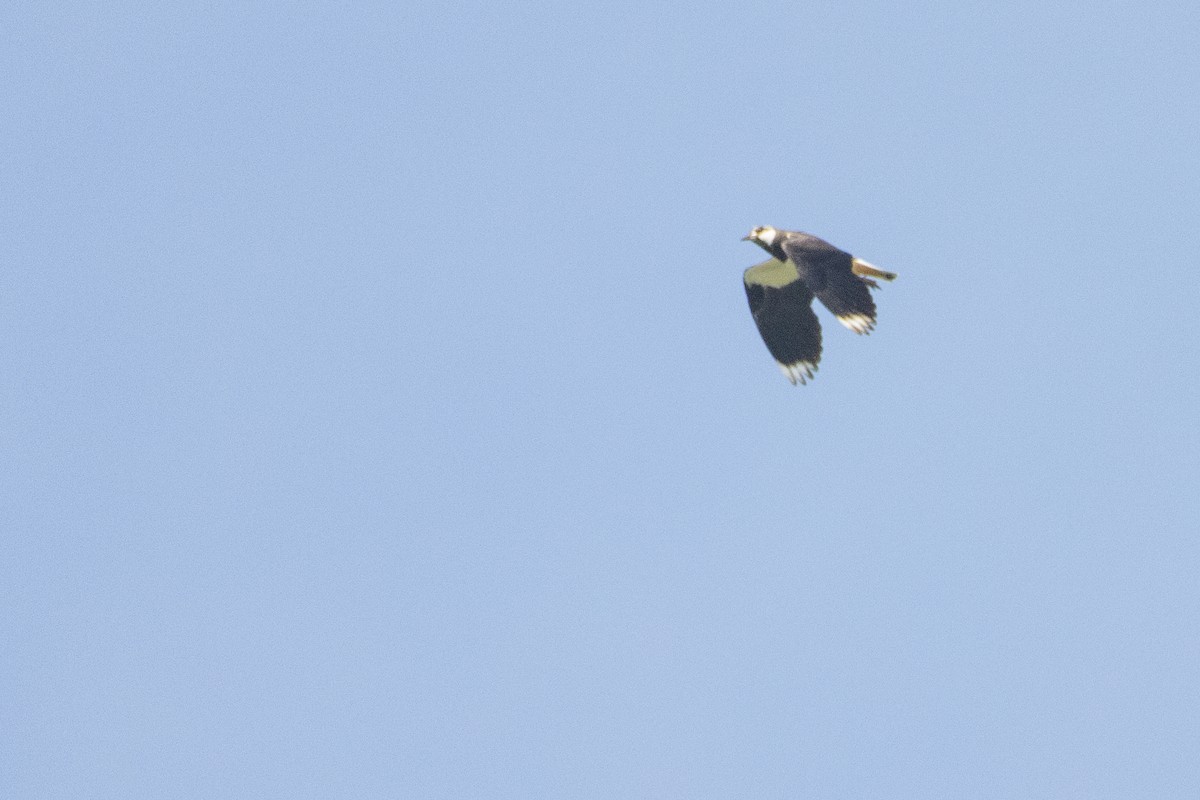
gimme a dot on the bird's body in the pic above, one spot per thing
(781, 291)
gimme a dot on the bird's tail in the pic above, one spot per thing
(865, 270)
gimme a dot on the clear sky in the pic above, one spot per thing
(382, 416)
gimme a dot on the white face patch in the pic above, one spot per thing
(766, 234)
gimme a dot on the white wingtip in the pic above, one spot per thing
(798, 372)
(859, 323)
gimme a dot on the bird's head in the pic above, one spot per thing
(764, 236)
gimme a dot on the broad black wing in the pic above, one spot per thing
(828, 271)
(785, 319)
(849, 298)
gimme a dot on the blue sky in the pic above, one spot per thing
(384, 418)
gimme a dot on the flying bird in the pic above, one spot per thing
(781, 291)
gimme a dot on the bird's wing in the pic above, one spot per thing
(781, 304)
(831, 276)
(847, 296)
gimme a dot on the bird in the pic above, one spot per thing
(781, 290)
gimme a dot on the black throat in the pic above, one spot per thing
(774, 249)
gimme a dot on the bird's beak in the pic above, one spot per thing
(746, 238)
